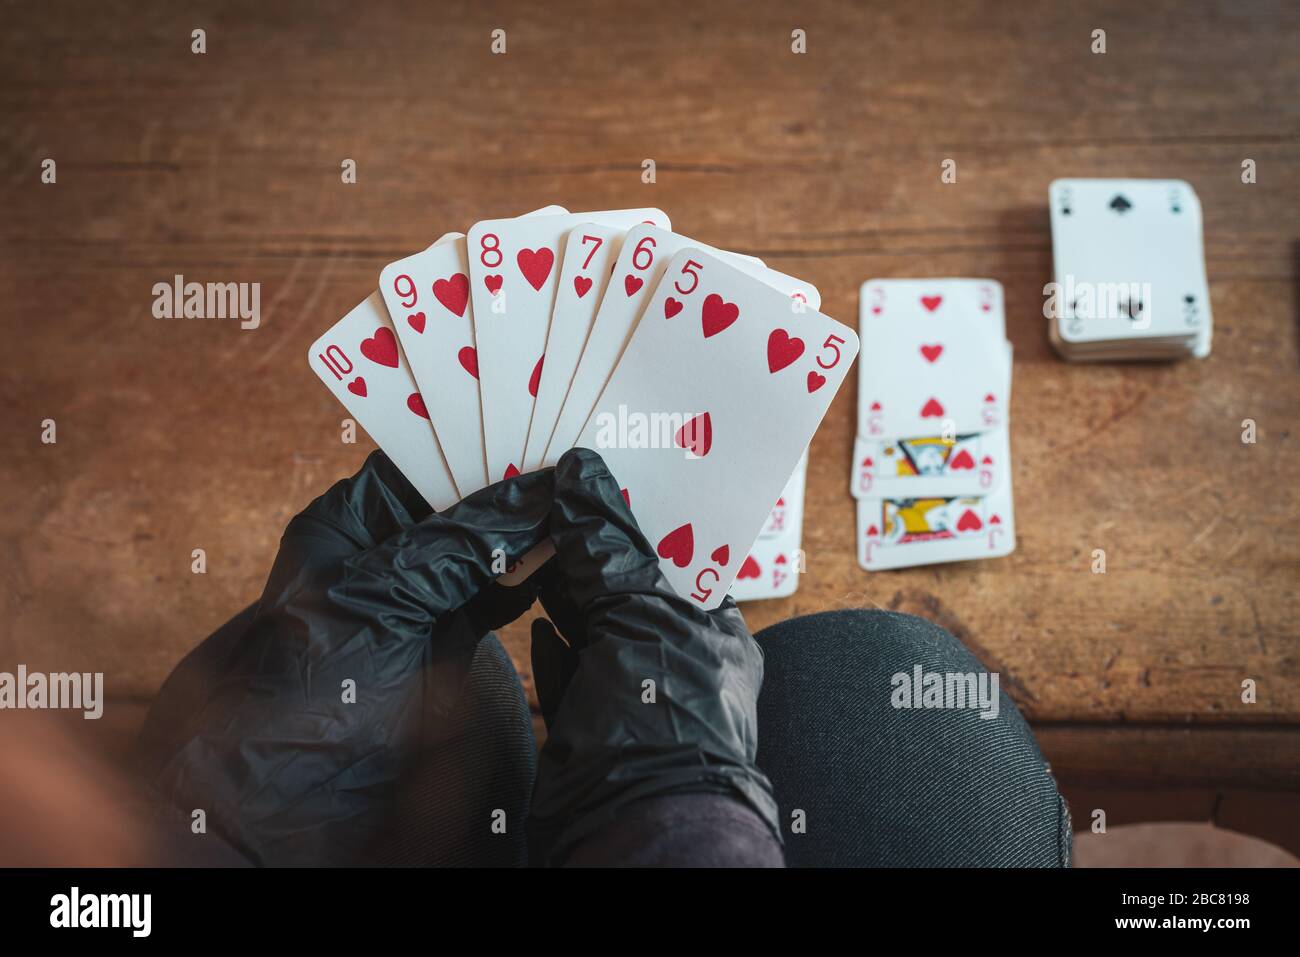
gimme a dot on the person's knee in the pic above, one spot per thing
(917, 737)
(881, 643)
(890, 635)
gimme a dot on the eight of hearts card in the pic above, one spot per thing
(427, 295)
(514, 272)
(704, 419)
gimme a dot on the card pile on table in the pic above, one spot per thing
(699, 375)
(1129, 265)
(931, 461)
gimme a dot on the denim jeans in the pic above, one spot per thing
(881, 785)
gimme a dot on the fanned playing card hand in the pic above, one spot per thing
(698, 374)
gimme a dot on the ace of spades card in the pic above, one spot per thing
(1129, 270)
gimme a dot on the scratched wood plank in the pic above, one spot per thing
(225, 167)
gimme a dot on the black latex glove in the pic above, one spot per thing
(607, 746)
(367, 587)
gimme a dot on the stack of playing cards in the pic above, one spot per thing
(773, 565)
(931, 462)
(699, 375)
(1130, 271)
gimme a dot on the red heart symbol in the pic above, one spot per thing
(931, 352)
(581, 285)
(962, 460)
(931, 410)
(696, 436)
(995, 520)
(969, 522)
(721, 554)
(987, 460)
(783, 349)
(749, 569)
(868, 462)
(358, 387)
(493, 283)
(627, 499)
(536, 377)
(632, 283)
(718, 314)
(876, 310)
(453, 292)
(468, 360)
(872, 531)
(678, 546)
(875, 407)
(381, 348)
(815, 381)
(931, 303)
(536, 265)
(415, 402)
(416, 321)
(780, 560)
(990, 398)
(671, 307)
(511, 472)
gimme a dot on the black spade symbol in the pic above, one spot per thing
(1132, 309)
(1120, 204)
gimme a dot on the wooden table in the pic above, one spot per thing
(176, 435)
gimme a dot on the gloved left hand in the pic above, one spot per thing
(362, 636)
(645, 695)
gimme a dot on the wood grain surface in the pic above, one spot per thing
(175, 435)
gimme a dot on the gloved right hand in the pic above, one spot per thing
(650, 695)
(294, 734)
